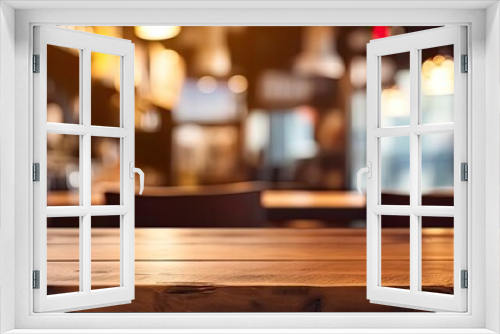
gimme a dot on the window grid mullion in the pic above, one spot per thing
(123, 165)
(420, 211)
(85, 187)
(420, 129)
(85, 249)
(415, 246)
(81, 254)
(81, 130)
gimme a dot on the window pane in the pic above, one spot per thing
(63, 255)
(105, 236)
(63, 169)
(395, 243)
(395, 89)
(395, 170)
(437, 84)
(437, 254)
(437, 169)
(106, 169)
(63, 84)
(105, 90)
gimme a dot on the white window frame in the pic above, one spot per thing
(413, 44)
(16, 22)
(86, 44)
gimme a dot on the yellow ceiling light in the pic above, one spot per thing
(156, 33)
(438, 76)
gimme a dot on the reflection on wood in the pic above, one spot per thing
(251, 236)
(257, 273)
(251, 270)
(249, 252)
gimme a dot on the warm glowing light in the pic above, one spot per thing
(256, 134)
(237, 84)
(358, 72)
(212, 56)
(307, 113)
(55, 113)
(438, 76)
(394, 102)
(156, 33)
(106, 67)
(167, 72)
(207, 84)
(320, 56)
(74, 179)
(215, 61)
(141, 69)
(80, 28)
(111, 31)
(150, 121)
(109, 150)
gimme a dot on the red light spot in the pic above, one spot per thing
(380, 32)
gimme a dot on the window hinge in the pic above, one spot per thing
(464, 171)
(36, 172)
(465, 279)
(36, 63)
(465, 64)
(36, 279)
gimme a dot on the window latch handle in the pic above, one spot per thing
(133, 170)
(364, 170)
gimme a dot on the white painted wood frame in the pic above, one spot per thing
(413, 44)
(86, 44)
(17, 20)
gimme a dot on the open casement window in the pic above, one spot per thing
(416, 145)
(78, 127)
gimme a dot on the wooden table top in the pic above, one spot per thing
(316, 257)
(249, 270)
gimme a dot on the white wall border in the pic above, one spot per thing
(492, 164)
(477, 124)
(7, 166)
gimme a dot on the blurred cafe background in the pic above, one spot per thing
(249, 126)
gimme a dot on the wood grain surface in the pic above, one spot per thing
(250, 270)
